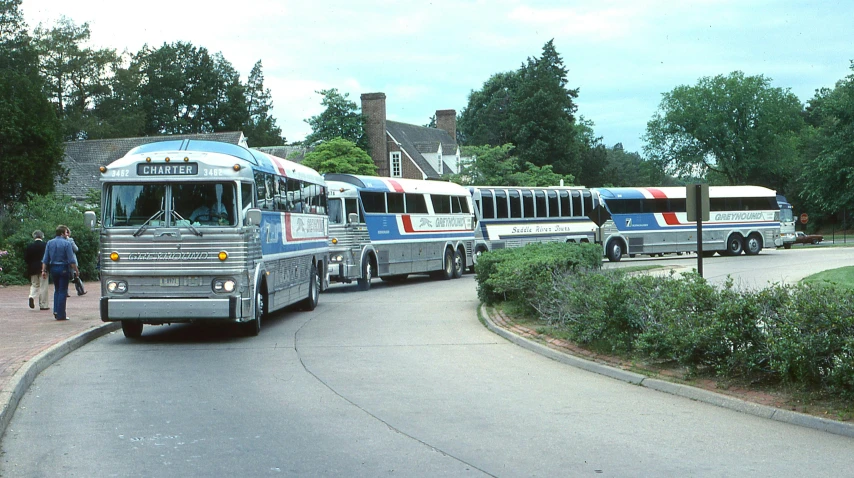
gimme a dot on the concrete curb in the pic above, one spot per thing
(28, 372)
(700, 395)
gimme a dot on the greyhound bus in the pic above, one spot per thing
(515, 216)
(196, 231)
(391, 228)
(653, 221)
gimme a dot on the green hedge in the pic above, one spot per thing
(801, 335)
(514, 274)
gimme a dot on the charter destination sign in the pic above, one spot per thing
(165, 169)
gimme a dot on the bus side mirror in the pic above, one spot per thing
(89, 219)
(352, 218)
(252, 218)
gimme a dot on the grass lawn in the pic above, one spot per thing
(844, 276)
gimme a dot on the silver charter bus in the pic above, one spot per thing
(390, 228)
(208, 231)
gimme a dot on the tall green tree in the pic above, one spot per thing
(31, 147)
(121, 114)
(499, 166)
(260, 129)
(76, 76)
(828, 146)
(340, 119)
(532, 108)
(630, 169)
(339, 155)
(738, 127)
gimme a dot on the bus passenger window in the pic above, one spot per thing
(487, 205)
(565, 204)
(515, 204)
(528, 204)
(502, 209)
(415, 203)
(441, 203)
(373, 202)
(554, 208)
(395, 203)
(577, 210)
(540, 200)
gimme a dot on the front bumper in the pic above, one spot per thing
(158, 311)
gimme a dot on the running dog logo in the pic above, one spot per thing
(425, 222)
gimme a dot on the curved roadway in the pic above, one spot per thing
(400, 380)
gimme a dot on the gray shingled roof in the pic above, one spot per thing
(415, 140)
(291, 153)
(82, 158)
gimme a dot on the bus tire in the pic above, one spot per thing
(787, 245)
(615, 251)
(364, 282)
(310, 302)
(459, 264)
(132, 329)
(734, 245)
(253, 327)
(753, 245)
(448, 263)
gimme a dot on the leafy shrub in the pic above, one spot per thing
(44, 213)
(518, 273)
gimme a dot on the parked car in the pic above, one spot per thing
(802, 238)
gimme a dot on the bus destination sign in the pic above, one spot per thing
(166, 169)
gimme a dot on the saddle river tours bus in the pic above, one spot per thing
(208, 231)
(395, 227)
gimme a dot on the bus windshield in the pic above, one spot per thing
(196, 204)
(786, 215)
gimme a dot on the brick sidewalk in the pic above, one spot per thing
(25, 332)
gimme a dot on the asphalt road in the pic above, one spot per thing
(400, 380)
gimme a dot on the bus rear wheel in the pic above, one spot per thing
(753, 245)
(132, 329)
(615, 251)
(734, 245)
(459, 266)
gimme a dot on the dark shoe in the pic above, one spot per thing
(83, 293)
(66, 318)
(32, 303)
(44, 308)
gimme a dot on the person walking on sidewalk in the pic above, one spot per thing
(58, 258)
(38, 283)
(75, 278)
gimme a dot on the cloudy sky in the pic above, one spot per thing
(430, 55)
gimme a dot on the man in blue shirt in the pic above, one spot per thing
(58, 257)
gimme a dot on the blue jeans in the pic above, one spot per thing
(60, 276)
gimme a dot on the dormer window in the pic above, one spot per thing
(394, 164)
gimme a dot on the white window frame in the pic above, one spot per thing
(395, 169)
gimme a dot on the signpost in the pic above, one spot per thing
(697, 208)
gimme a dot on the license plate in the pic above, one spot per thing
(170, 281)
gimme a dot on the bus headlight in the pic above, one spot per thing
(223, 285)
(336, 258)
(117, 286)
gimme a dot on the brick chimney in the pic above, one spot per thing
(373, 108)
(447, 120)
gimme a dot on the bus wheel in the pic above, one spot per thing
(364, 282)
(734, 245)
(310, 302)
(132, 329)
(458, 264)
(787, 245)
(753, 245)
(253, 327)
(615, 251)
(448, 262)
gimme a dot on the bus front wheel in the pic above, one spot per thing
(253, 327)
(615, 251)
(364, 282)
(310, 302)
(132, 329)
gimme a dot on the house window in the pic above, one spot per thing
(395, 164)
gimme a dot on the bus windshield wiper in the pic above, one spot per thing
(190, 226)
(144, 225)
